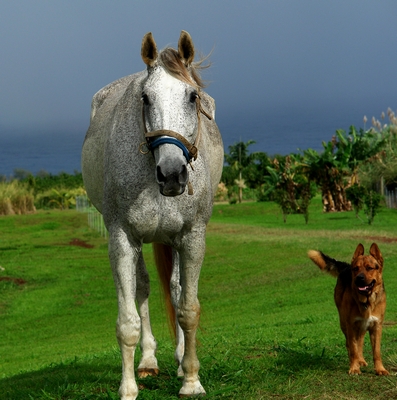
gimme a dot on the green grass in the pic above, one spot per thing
(269, 327)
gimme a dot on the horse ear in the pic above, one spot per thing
(359, 252)
(375, 253)
(186, 48)
(149, 50)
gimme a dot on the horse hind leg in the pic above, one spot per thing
(148, 364)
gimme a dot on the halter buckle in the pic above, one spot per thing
(141, 148)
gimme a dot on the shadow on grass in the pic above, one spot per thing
(305, 358)
(284, 371)
(96, 378)
(73, 380)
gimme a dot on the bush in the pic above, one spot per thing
(16, 198)
(61, 198)
(44, 182)
(221, 192)
(361, 197)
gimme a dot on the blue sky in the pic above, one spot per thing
(266, 54)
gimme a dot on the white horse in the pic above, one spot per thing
(151, 160)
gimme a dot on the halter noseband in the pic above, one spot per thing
(164, 136)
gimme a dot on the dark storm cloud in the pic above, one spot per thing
(55, 55)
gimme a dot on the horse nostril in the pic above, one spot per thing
(160, 175)
(183, 175)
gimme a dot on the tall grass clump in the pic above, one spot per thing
(59, 197)
(16, 198)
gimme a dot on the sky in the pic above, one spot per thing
(267, 56)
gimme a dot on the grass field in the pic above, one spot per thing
(269, 327)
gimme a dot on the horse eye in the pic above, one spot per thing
(145, 99)
(193, 97)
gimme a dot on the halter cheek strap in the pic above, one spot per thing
(164, 136)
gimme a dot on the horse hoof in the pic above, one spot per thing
(144, 372)
(128, 390)
(192, 390)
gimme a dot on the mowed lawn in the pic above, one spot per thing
(269, 327)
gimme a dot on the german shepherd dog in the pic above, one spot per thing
(361, 301)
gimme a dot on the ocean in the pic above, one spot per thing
(278, 130)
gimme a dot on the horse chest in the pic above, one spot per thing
(156, 222)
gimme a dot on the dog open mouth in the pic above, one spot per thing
(365, 289)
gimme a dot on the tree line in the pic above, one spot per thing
(24, 192)
(350, 172)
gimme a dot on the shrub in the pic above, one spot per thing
(60, 198)
(16, 198)
(221, 192)
(361, 198)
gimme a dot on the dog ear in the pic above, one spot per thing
(359, 252)
(375, 253)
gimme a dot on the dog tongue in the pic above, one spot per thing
(363, 288)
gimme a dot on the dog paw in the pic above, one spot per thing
(363, 363)
(382, 372)
(354, 371)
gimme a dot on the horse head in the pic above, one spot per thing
(170, 111)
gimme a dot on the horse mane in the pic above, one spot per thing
(171, 61)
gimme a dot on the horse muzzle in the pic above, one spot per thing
(171, 179)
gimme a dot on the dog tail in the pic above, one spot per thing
(327, 264)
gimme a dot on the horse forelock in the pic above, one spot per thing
(170, 60)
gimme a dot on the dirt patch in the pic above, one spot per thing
(382, 239)
(80, 243)
(17, 281)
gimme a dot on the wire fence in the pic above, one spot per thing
(95, 219)
(391, 198)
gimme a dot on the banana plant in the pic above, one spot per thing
(289, 186)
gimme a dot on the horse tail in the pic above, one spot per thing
(163, 260)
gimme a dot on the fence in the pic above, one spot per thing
(391, 198)
(95, 219)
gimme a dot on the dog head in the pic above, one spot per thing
(366, 270)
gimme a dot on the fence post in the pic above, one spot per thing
(94, 218)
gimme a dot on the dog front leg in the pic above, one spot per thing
(376, 335)
(353, 346)
(361, 359)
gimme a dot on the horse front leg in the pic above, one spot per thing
(188, 312)
(124, 259)
(175, 296)
(148, 365)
